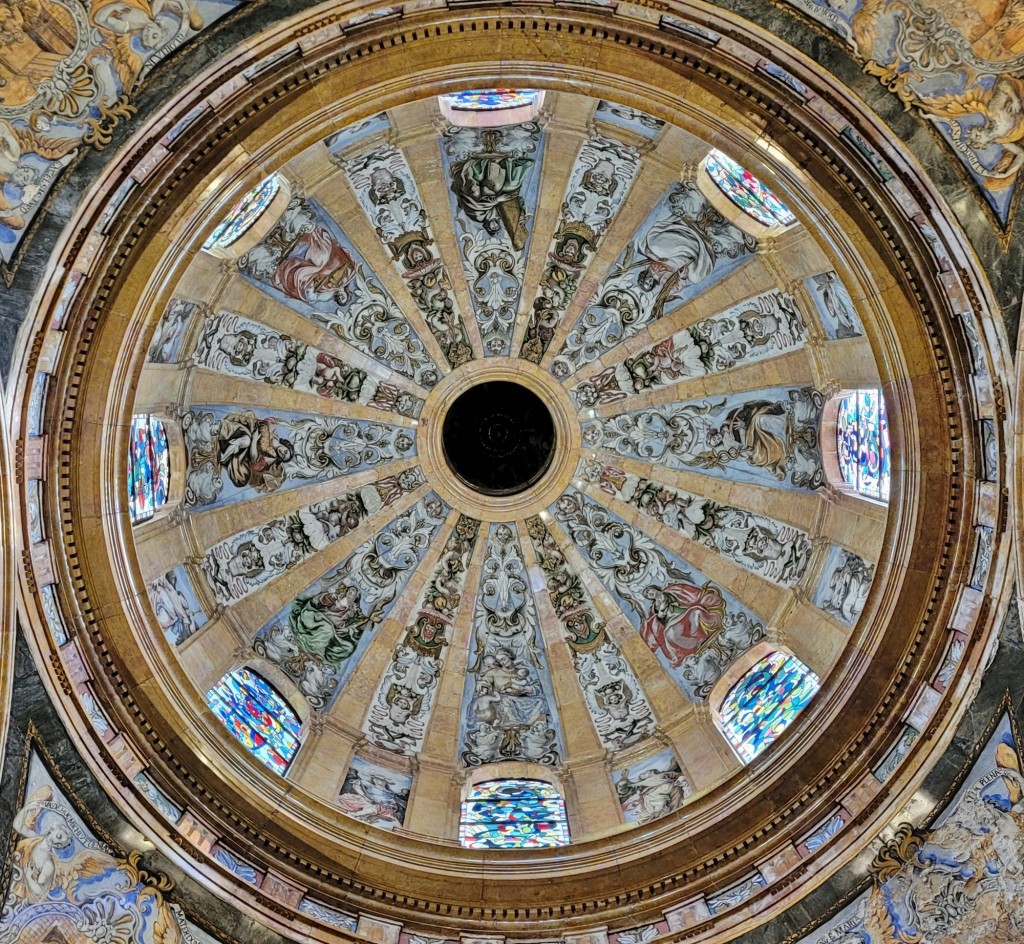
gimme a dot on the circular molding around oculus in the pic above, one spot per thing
(475, 407)
(498, 437)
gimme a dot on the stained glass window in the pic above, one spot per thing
(246, 212)
(862, 443)
(762, 704)
(746, 191)
(149, 469)
(258, 716)
(490, 99)
(513, 814)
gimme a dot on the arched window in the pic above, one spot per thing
(149, 470)
(488, 108)
(246, 212)
(746, 191)
(862, 443)
(253, 711)
(513, 814)
(764, 702)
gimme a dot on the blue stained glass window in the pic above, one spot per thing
(253, 711)
(246, 212)
(862, 443)
(490, 99)
(149, 469)
(746, 191)
(513, 814)
(762, 704)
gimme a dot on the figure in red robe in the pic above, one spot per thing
(316, 269)
(682, 616)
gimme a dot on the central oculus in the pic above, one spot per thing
(498, 438)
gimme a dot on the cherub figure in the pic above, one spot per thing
(134, 28)
(45, 855)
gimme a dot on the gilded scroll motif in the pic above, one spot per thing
(68, 73)
(961, 65)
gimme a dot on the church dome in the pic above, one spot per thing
(425, 439)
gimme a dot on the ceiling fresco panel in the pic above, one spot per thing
(69, 71)
(759, 327)
(494, 176)
(384, 185)
(601, 177)
(508, 707)
(308, 263)
(695, 628)
(767, 437)
(683, 246)
(233, 455)
(319, 637)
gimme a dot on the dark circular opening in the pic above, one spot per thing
(498, 438)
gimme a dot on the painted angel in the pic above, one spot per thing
(133, 29)
(1002, 108)
(45, 855)
(15, 175)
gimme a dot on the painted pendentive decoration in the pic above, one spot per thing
(384, 185)
(776, 551)
(244, 214)
(601, 177)
(959, 882)
(959, 64)
(684, 246)
(507, 710)
(108, 48)
(765, 437)
(513, 814)
(259, 718)
(615, 698)
(375, 795)
(149, 467)
(766, 325)
(307, 263)
(318, 638)
(234, 455)
(651, 788)
(862, 443)
(400, 709)
(695, 628)
(766, 701)
(66, 885)
(746, 191)
(493, 177)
